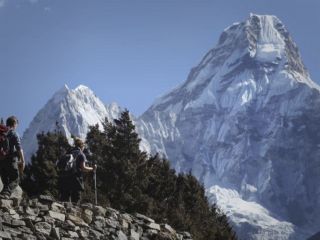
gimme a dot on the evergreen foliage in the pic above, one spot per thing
(41, 176)
(133, 182)
(120, 162)
(130, 180)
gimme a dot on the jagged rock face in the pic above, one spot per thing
(247, 119)
(74, 110)
(44, 218)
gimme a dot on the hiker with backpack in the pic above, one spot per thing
(72, 166)
(11, 157)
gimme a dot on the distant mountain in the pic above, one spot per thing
(74, 110)
(246, 123)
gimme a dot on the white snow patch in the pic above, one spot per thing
(270, 45)
(268, 52)
(74, 110)
(240, 211)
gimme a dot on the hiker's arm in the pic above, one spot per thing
(19, 150)
(84, 168)
(21, 157)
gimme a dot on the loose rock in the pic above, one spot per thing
(43, 218)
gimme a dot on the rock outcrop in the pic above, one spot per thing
(44, 218)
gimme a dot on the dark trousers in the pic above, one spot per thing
(69, 188)
(73, 194)
(9, 175)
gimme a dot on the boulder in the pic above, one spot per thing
(58, 207)
(6, 204)
(144, 218)
(55, 233)
(43, 228)
(46, 199)
(5, 235)
(168, 228)
(134, 235)
(77, 221)
(121, 236)
(153, 226)
(57, 215)
(87, 215)
(99, 211)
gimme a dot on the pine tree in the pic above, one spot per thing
(159, 184)
(120, 161)
(41, 176)
(130, 181)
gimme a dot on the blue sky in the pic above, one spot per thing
(128, 51)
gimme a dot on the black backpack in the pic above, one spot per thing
(4, 142)
(67, 163)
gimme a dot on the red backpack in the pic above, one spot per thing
(4, 142)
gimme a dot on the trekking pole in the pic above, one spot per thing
(95, 187)
(88, 152)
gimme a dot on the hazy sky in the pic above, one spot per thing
(129, 51)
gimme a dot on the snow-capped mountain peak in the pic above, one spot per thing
(74, 110)
(246, 120)
(61, 93)
(84, 90)
(270, 44)
(260, 45)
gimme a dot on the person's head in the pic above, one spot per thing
(79, 143)
(12, 122)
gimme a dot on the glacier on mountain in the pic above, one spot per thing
(250, 215)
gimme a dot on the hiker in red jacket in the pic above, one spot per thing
(11, 157)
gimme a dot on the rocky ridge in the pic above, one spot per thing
(43, 218)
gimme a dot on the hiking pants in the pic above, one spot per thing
(75, 195)
(69, 188)
(9, 175)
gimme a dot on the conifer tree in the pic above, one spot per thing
(128, 180)
(41, 175)
(120, 160)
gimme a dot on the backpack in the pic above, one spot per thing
(4, 142)
(67, 163)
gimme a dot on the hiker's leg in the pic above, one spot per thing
(13, 177)
(64, 189)
(6, 171)
(64, 195)
(4, 176)
(75, 196)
